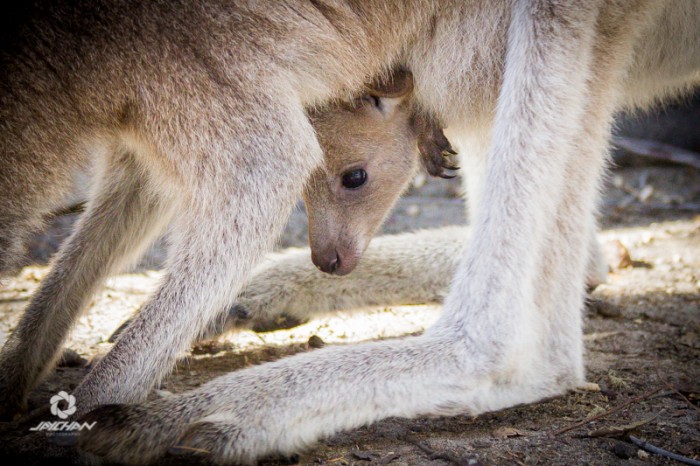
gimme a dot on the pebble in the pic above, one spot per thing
(624, 450)
(316, 342)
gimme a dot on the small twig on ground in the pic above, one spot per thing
(624, 405)
(685, 398)
(657, 150)
(620, 431)
(663, 394)
(436, 455)
(339, 459)
(661, 452)
(674, 390)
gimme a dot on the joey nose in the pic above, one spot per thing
(326, 261)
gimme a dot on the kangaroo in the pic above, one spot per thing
(202, 110)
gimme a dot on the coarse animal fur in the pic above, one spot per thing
(202, 108)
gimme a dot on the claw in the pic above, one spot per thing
(433, 146)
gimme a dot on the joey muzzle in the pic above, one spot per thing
(332, 261)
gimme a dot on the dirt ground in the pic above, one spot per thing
(642, 335)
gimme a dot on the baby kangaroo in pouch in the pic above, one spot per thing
(372, 147)
(370, 156)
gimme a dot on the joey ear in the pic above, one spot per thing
(398, 84)
(392, 90)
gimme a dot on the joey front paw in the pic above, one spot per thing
(436, 152)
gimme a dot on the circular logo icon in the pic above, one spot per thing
(66, 411)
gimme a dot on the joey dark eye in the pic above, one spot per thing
(354, 178)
